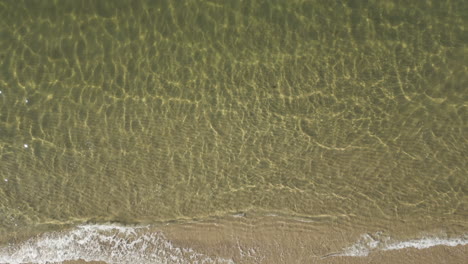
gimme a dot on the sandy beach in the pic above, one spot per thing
(435, 255)
(263, 240)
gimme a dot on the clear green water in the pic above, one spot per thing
(147, 111)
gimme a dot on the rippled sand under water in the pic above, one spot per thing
(328, 128)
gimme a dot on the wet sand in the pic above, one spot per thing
(245, 240)
(436, 255)
(298, 243)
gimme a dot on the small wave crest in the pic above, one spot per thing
(373, 242)
(108, 243)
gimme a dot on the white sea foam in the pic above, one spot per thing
(108, 243)
(374, 242)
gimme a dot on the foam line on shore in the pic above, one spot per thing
(108, 243)
(374, 242)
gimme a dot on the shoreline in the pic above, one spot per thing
(236, 239)
(434, 255)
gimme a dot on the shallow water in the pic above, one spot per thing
(346, 116)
